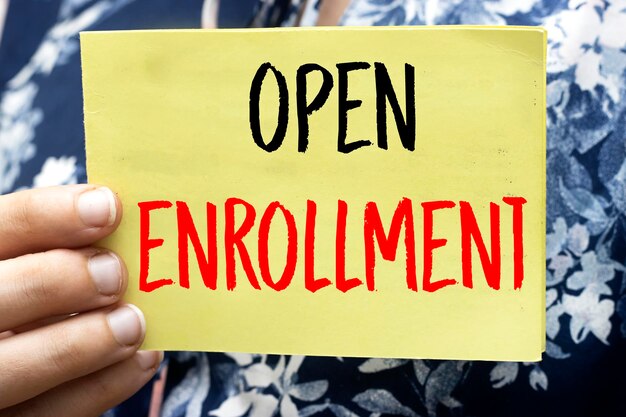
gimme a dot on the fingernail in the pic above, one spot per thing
(149, 359)
(106, 272)
(96, 208)
(127, 324)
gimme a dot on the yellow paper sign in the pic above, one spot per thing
(372, 192)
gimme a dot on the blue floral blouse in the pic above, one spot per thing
(583, 372)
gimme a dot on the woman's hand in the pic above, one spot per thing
(55, 362)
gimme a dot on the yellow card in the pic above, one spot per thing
(374, 192)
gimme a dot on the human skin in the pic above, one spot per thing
(68, 345)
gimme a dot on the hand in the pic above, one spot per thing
(55, 362)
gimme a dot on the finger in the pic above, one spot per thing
(44, 358)
(92, 395)
(40, 323)
(56, 217)
(58, 282)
